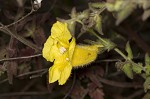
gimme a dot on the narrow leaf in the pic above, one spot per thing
(128, 70)
(147, 84)
(129, 51)
(147, 59)
(137, 68)
(98, 25)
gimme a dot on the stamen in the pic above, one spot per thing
(67, 59)
(62, 50)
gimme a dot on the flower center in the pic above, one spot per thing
(67, 59)
(62, 50)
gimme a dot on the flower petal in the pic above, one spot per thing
(65, 73)
(46, 52)
(50, 50)
(84, 54)
(54, 74)
(71, 48)
(61, 33)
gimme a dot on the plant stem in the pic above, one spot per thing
(119, 52)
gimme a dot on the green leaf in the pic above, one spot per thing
(147, 59)
(128, 70)
(147, 64)
(125, 12)
(97, 5)
(71, 26)
(73, 13)
(129, 51)
(147, 84)
(137, 68)
(98, 25)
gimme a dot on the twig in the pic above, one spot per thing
(126, 30)
(32, 72)
(137, 93)
(21, 18)
(25, 74)
(38, 75)
(23, 94)
(17, 58)
(20, 38)
(139, 41)
(120, 84)
(32, 10)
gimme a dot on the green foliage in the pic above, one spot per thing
(129, 66)
(123, 8)
(98, 25)
(129, 51)
(147, 84)
(137, 67)
(127, 69)
(147, 64)
(89, 19)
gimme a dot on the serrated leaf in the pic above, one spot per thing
(137, 68)
(129, 51)
(98, 25)
(119, 4)
(147, 84)
(71, 27)
(147, 71)
(128, 70)
(73, 13)
(110, 7)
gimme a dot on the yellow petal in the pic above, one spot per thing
(84, 55)
(54, 74)
(46, 52)
(50, 50)
(61, 33)
(71, 48)
(65, 73)
(61, 69)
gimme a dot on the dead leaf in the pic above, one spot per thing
(39, 36)
(78, 91)
(97, 94)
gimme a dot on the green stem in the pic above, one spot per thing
(119, 52)
(91, 31)
(132, 62)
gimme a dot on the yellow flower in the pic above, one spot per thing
(65, 54)
(58, 49)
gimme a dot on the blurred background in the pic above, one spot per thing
(24, 27)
